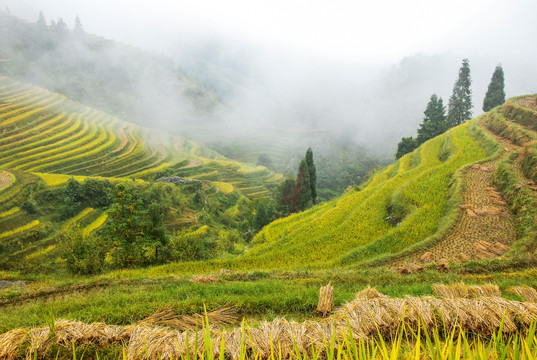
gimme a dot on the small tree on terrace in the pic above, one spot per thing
(434, 122)
(286, 196)
(495, 93)
(136, 229)
(406, 145)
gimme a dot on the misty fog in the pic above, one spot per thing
(362, 72)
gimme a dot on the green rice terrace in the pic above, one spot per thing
(48, 141)
(460, 210)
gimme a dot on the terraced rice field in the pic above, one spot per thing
(444, 195)
(44, 136)
(486, 226)
(42, 132)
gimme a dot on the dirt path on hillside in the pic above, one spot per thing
(5, 180)
(485, 228)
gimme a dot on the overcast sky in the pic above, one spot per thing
(381, 31)
(296, 61)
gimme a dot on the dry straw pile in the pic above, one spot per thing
(167, 317)
(477, 309)
(326, 299)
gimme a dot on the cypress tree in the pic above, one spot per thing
(78, 26)
(303, 188)
(313, 175)
(434, 122)
(460, 102)
(495, 93)
(41, 22)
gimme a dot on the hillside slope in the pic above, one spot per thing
(47, 139)
(45, 133)
(124, 81)
(468, 194)
(432, 200)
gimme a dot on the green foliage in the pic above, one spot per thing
(261, 216)
(286, 196)
(460, 102)
(495, 93)
(405, 146)
(264, 160)
(135, 227)
(434, 122)
(83, 254)
(303, 186)
(227, 240)
(312, 174)
(29, 207)
(70, 199)
(191, 245)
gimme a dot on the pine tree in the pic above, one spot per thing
(434, 122)
(41, 22)
(313, 175)
(78, 26)
(406, 145)
(460, 102)
(495, 93)
(60, 29)
(303, 187)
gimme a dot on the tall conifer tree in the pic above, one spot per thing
(495, 93)
(313, 175)
(41, 22)
(286, 196)
(303, 188)
(79, 29)
(460, 102)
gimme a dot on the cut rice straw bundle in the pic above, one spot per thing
(525, 292)
(11, 343)
(326, 299)
(167, 317)
(461, 290)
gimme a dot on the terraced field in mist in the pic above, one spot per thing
(467, 194)
(45, 136)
